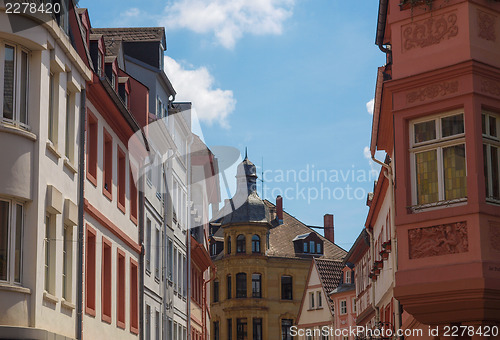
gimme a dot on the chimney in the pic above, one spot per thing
(279, 209)
(329, 231)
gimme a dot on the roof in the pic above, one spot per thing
(360, 246)
(330, 273)
(345, 287)
(282, 235)
(134, 34)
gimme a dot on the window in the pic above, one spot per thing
(228, 242)
(134, 293)
(121, 179)
(90, 271)
(148, 322)
(343, 307)
(99, 63)
(106, 281)
(347, 276)
(229, 329)
(179, 272)
(438, 156)
(70, 127)
(354, 309)
(11, 236)
(286, 288)
(120, 289)
(14, 75)
(216, 331)
(159, 106)
(255, 244)
(133, 198)
(50, 246)
(256, 285)
(67, 262)
(311, 300)
(53, 107)
(306, 247)
(320, 299)
(312, 246)
(216, 291)
(318, 248)
(184, 276)
(175, 269)
(229, 293)
(286, 325)
(257, 329)
(491, 154)
(149, 246)
(170, 257)
(240, 244)
(107, 171)
(157, 254)
(92, 149)
(241, 329)
(241, 285)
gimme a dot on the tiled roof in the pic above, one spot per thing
(113, 45)
(330, 272)
(134, 33)
(281, 239)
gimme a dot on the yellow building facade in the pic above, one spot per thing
(262, 257)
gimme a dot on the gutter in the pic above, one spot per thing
(81, 182)
(142, 207)
(382, 19)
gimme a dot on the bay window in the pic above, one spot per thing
(11, 234)
(437, 150)
(491, 155)
(14, 76)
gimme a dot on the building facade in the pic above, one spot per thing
(316, 317)
(344, 303)
(436, 98)
(262, 264)
(42, 86)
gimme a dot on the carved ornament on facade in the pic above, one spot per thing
(490, 86)
(486, 25)
(432, 91)
(429, 31)
(438, 240)
(495, 236)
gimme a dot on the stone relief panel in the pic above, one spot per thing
(432, 91)
(438, 240)
(490, 87)
(495, 236)
(429, 31)
(486, 26)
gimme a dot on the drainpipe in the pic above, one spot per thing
(81, 182)
(140, 181)
(394, 241)
(372, 251)
(213, 272)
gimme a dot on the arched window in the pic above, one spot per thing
(241, 285)
(255, 244)
(240, 244)
(256, 285)
(229, 244)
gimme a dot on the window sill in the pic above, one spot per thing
(15, 130)
(148, 272)
(50, 298)
(52, 148)
(492, 200)
(107, 194)
(67, 304)
(7, 287)
(120, 324)
(436, 205)
(121, 207)
(70, 166)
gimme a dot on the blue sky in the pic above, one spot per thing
(289, 79)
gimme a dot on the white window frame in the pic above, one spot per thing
(148, 245)
(319, 297)
(11, 242)
(347, 276)
(18, 50)
(491, 141)
(157, 253)
(311, 300)
(343, 307)
(439, 143)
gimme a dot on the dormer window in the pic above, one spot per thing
(309, 243)
(99, 63)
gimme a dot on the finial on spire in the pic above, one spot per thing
(246, 152)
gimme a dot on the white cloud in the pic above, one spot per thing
(367, 153)
(228, 20)
(197, 86)
(370, 106)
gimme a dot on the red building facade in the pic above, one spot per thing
(437, 115)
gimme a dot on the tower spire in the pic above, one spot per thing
(246, 152)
